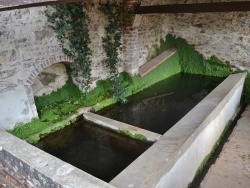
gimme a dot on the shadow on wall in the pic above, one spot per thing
(51, 79)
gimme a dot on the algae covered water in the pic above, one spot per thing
(160, 106)
(99, 152)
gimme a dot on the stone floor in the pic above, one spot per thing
(232, 168)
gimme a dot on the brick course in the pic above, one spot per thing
(10, 179)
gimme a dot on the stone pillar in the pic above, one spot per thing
(131, 53)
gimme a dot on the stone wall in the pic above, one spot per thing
(28, 46)
(225, 35)
(51, 79)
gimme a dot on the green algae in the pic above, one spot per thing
(59, 105)
(134, 136)
(136, 84)
(191, 61)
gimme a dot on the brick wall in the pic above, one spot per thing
(9, 178)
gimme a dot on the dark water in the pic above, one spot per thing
(99, 152)
(159, 107)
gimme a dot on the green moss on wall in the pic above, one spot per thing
(54, 109)
(136, 84)
(192, 61)
(61, 104)
(69, 90)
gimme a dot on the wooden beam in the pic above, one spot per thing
(18, 4)
(195, 8)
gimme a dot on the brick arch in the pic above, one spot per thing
(36, 70)
(40, 66)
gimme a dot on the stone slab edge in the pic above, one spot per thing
(149, 66)
(41, 168)
(171, 167)
(116, 125)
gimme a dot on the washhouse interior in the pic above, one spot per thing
(105, 153)
(119, 93)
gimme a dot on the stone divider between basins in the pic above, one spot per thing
(174, 159)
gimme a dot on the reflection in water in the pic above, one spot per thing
(97, 151)
(159, 107)
(103, 153)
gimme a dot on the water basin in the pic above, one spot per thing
(97, 151)
(160, 106)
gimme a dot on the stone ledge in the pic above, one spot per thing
(41, 168)
(149, 66)
(182, 149)
(116, 125)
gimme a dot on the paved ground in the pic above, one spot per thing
(232, 168)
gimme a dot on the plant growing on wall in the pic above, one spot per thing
(112, 44)
(70, 23)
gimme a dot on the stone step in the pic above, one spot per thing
(116, 125)
(149, 66)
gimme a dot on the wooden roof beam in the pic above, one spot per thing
(235, 6)
(18, 4)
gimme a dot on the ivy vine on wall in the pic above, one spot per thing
(70, 23)
(112, 44)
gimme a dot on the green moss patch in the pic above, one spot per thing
(134, 136)
(61, 104)
(136, 84)
(54, 109)
(192, 61)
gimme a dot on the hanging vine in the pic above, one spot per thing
(70, 23)
(112, 44)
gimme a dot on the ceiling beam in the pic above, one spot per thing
(18, 4)
(195, 8)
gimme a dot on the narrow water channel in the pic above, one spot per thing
(162, 105)
(97, 151)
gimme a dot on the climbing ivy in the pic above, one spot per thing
(112, 44)
(70, 23)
